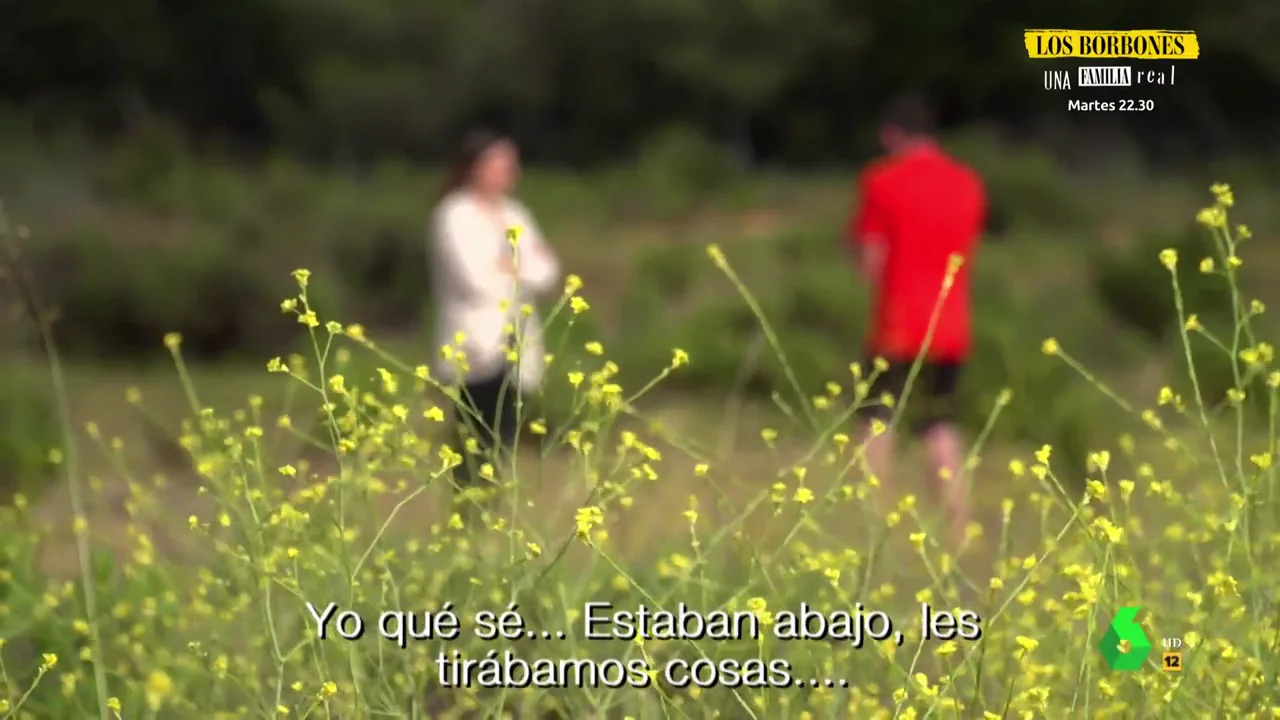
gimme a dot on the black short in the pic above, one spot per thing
(931, 400)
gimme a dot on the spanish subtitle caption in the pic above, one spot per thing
(601, 622)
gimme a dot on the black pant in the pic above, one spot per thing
(486, 412)
(933, 394)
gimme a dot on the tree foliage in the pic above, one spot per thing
(579, 80)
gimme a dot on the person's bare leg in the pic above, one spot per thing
(946, 463)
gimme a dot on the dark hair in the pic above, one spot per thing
(910, 114)
(474, 144)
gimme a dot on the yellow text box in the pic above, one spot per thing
(1136, 44)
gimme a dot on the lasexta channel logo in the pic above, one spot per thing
(1125, 646)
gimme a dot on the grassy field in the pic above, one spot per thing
(168, 564)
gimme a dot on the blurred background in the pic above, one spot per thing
(580, 83)
(175, 161)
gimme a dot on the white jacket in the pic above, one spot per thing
(470, 288)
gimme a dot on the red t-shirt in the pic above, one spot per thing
(924, 206)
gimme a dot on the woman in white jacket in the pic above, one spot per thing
(489, 264)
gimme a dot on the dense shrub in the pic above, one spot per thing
(678, 171)
(116, 300)
(142, 171)
(1048, 404)
(722, 336)
(677, 298)
(28, 431)
(828, 298)
(1138, 291)
(815, 306)
(384, 276)
(669, 270)
(808, 245)
(1026, 186)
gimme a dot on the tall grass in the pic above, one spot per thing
(217, 613)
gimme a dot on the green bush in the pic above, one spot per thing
(385, 276)
(677, 298)
(141, 172)
(1138, 290)
(670, 270)
(809, 359)
(1026, 186)
(729, 352)
(828, 298)
(29, 431)
(1049, 403)
(116, 300)
(814, 244)
(679, 170)
(719, 334)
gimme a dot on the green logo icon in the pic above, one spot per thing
(1125, 629)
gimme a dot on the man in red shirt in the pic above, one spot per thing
(918, 218)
